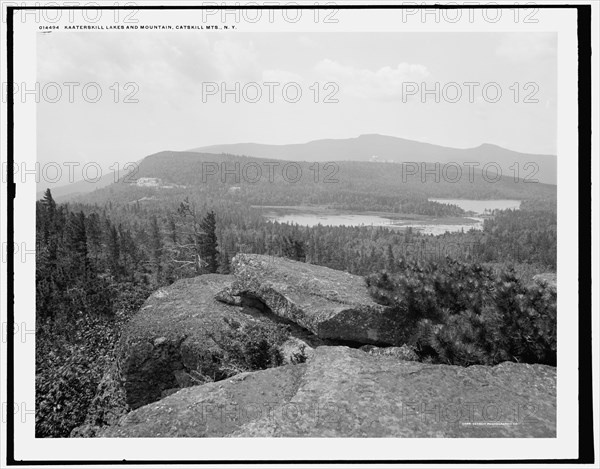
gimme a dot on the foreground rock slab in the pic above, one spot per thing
(343, 392)
(330, 303)
(176, 339)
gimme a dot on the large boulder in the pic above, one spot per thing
(344, 392)
(330, 303)
(183, 337)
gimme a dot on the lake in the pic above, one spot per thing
(313, 219)
(307, 217)
(313, 216)
(480, 206)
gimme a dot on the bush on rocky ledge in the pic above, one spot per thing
(465, 314)
(252, 347)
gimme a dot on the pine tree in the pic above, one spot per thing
(188, 251)
(172, 230)
(76, 245)
(294, 249)
(114, 252)
(390, 261)
(156, 247)
(94, 236)
(209, 246)
(47, 215)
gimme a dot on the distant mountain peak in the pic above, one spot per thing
(380, 137)
(490, 146)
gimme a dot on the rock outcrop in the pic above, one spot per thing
(177, 365)
(178, 339)
(332, 304)
(344, 392)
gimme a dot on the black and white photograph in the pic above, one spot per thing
(313, 232)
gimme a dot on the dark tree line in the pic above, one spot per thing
(83, 258)
(91, 274)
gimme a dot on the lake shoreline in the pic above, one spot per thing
(314, 215)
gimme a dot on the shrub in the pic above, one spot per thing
(73, 351)
(252, 347)
(69, 367)
(465, 314)
(300, 356)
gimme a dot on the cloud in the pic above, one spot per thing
(281, 76)
(153, 59)
(307, 41)
(525, 47)
(382, 84)
(236, 60)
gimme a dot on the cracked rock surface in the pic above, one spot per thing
(173, 341)
(345, 392)
(330, 303)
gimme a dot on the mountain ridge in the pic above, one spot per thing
(364, 148)
(377, 147)
(201, 149)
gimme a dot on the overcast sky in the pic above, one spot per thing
(170, 67)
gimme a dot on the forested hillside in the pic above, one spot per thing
(348, 185)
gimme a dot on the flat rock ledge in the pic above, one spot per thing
(332, 304)
(344, 392)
